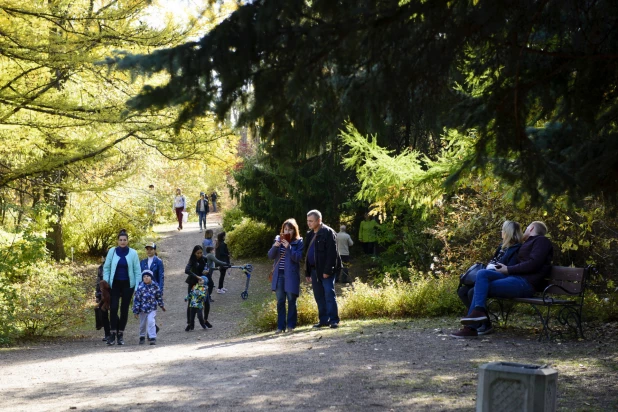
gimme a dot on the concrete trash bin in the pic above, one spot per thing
(505, 386)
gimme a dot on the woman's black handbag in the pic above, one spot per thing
(469, 278)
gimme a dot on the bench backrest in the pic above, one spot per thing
(573, 280)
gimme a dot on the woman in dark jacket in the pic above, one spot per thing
(287, 251)
(223, 254)
(196, 268)
(506, 254)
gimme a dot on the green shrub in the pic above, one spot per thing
(393, 298)
(396, 298)
(250, 239)
(232, 218)
(604, 309)
(263, 318)
(49, 301)
(93, 231)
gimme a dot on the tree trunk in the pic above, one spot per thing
(57, 198)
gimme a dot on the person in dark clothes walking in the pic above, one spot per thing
(213, 199)
(322, 262)
(196, 268)
(223, 254)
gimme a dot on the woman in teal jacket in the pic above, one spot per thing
(122, 271)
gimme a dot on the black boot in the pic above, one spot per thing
(120, 340)
(112, 339)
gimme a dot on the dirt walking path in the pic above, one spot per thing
(369, 365)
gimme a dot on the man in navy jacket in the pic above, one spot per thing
(321, 264)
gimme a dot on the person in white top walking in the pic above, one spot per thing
(344, 241)
(179, 206)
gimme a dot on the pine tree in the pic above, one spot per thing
(535, 79)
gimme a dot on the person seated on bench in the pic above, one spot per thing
(516, 281)
(506, 254)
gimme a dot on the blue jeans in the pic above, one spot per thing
(281, 296)
(495, 284)
(324, 294)
(202, 219)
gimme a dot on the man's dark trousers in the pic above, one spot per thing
(324, 293)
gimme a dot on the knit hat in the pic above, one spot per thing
(205, 279)
(146, 272)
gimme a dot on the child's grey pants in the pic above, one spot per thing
(147, 321)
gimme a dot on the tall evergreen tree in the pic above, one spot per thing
(535, 79)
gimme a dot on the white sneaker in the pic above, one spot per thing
(224, 289)
(220, 291)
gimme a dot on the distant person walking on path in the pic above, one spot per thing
(152, 206)
(195, 269)
(213, 198)
(223, 254)
(287, 251)
(180, 204)
(367, 234)
(321, 265)
(201, 209)
(122, 272)
(344, 241)
(147, 297)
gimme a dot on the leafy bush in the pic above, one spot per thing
(48, 299)
(231, 218)
(393, 298)
(396, 298)
(52, 300)
(249, 239)
(95, 230)
(264, 318)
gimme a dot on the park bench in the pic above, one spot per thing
(565, 292)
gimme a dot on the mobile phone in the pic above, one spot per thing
(286, 236)
(498, 266)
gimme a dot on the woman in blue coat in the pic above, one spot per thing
(287, 251)
(122, 271)
(154, 264)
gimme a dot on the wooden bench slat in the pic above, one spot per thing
(566, 273)
(571, 288)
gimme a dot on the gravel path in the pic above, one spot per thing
(374, 365)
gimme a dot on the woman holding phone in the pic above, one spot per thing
(287, 251)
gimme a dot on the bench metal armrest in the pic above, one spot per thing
(549, 299)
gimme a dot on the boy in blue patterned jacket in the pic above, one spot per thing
(196, 302)
(147, 297)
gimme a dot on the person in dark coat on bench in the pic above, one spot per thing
(506, 254)
(521, 280)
